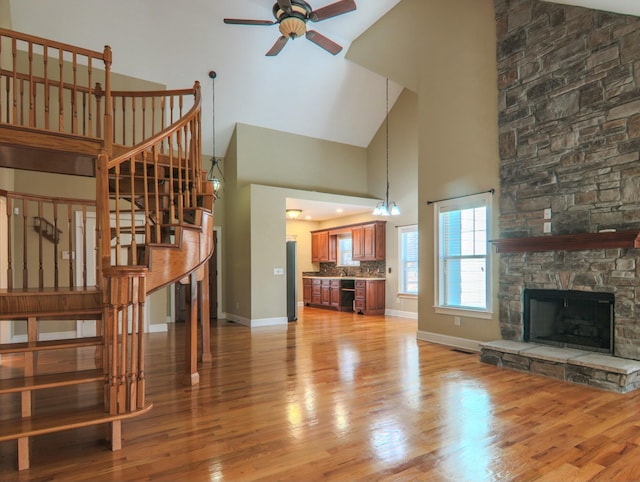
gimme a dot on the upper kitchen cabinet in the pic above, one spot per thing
(369, 241)
(323, 247)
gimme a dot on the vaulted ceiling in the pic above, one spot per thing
(304, 90)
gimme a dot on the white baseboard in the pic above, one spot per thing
(454, 341)
(158, 328)
(238, 319)
(402, 314)
(257, 323)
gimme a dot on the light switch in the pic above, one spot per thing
(546, 228)
(547, 213)
(278, 271)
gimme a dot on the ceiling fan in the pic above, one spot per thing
(293, 15)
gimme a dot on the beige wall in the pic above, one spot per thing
(275, 158)
(453, 52)
(458, 111)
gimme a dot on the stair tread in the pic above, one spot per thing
(74, 418)
(39, 382)
(50, 345)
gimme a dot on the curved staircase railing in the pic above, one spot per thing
(154, 214)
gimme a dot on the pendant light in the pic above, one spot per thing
(215, 162)
(386, 208)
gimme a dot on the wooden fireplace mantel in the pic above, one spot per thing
(574, 242)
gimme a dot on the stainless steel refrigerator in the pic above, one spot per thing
(292, 282)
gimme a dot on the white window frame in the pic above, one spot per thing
(466, 202)
(401, 271)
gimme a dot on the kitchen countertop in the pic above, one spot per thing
(370, 278)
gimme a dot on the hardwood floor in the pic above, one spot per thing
(338, 396)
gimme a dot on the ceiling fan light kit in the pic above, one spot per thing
(292, 17)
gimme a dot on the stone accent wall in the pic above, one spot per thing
(569, 118)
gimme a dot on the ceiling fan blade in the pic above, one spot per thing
(285, 5)
(322, 41)
(277, 47)
(333, 10)
(239, 21)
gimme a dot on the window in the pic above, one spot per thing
(462, 262)
(408, 260)
(345, 251)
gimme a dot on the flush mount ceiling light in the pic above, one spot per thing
(386, 208)
(293, 213)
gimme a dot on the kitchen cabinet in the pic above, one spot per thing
(335, 294)
(368, 241)
(306, 290)
(370, 297)
(316, 291)
(323, 247)
(365, 296)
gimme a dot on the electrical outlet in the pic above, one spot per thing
(547, 213)
(546, 228)
(456, 320)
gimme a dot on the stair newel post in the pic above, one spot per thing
(132, 396)
(108, 107)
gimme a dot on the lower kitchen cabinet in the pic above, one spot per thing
(364, 296)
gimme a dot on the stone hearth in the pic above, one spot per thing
(577, 366)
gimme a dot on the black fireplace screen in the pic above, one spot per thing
(573, 319)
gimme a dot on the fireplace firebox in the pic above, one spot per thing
(572, 319)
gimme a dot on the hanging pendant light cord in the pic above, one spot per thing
(387, 136)
(213, 76)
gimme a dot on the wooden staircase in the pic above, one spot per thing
(153, 212)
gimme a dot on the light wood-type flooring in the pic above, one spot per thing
(344, 397)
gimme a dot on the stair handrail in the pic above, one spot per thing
(69, 62)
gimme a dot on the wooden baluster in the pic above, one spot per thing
(9, 242)
(172, 208)
(144, 118)
(72, 257)
(134, 244)
(117, 212)
(162, 119)
(157, 194)
(145, 176)
(133, 121)
(132, 396)
(86, 247)
(153, 117)
(25, 270)
(74, 96)
(187, 166)
(113, 349)
(90, 111)
(124, 121)
(108, 137)
(43, 227)
(47, 93)
(14, 111)
(123, 297)
(205, 313)
(32, 90)
(180, 177)
(98, 94)
(21, 102)
(61, 90)
(56, 242)
(142, 297)
(84, 113)
(8, 96)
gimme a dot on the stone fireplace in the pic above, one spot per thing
(569, 319)
(569, 141)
